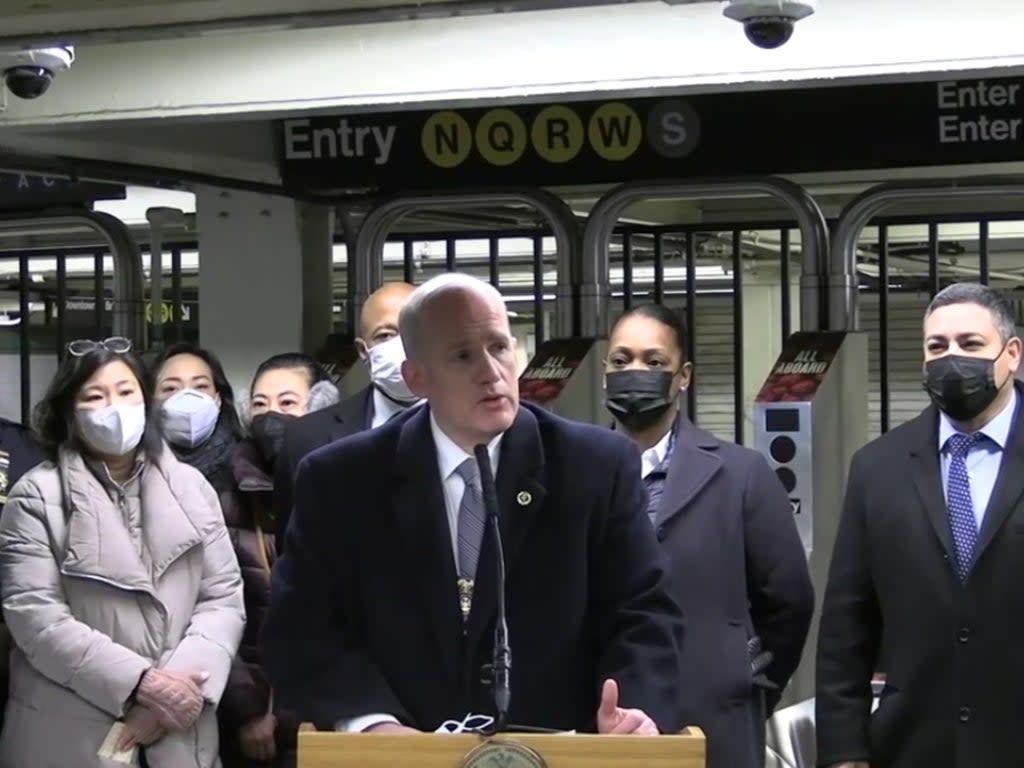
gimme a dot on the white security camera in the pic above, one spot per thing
(768, 23)
(28, 73)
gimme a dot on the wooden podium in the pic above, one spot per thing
(325, 749)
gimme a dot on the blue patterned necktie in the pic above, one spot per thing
(962, 522)
(471, 525)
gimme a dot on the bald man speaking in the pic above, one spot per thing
(380, 348)
(384, 604)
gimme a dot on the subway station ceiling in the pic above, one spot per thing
(78, 21)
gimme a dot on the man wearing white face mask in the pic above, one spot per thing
(387, 396)
(392, 394)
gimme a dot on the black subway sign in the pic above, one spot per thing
(556, 134)
(26, 190)
(613, 140)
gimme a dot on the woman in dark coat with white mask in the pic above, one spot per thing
(739, 571)
(197, 406)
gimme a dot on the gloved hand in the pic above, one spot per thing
(174, 697)
(141, 726)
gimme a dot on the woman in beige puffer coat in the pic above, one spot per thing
(120, 586)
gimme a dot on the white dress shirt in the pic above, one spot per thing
(651, 459)
(384, 408)
(984, 458)
(449, 458)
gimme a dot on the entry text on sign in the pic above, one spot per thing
(301, 142)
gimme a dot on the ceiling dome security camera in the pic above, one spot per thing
(29, 73)
(768, 23)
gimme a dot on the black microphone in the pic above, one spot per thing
(502, 660)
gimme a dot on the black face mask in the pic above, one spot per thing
(961, 386)
(637, 399)
(268, 432)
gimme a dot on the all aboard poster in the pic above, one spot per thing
(801, 367)
(551, 368)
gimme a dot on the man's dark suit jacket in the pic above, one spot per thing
(23, 453)
(364, 615)
(951, 651)
(306, 434)
(738, 570)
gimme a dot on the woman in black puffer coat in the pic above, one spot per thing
(253, 732)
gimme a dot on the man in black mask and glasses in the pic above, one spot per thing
(927, 576)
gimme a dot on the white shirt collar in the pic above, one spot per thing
(384, 408)
(651, 459)
(450, 456)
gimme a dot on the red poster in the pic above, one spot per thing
(551, 368)
(800, 369)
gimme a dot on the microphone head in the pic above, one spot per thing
(487, 487)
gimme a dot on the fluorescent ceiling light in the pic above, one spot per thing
(132, 210)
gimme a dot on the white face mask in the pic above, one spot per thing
(112, 431)
(386, 370)
(190, 417)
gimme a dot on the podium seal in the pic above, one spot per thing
(502, 754)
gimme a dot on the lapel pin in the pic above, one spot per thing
(524, 498)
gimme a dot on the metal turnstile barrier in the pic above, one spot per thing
(606, 213)
(128, 317)
(366, 265)
(810, 417)
(841, 274)
(373, 233)
(790, 737)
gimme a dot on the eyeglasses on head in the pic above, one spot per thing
(119, 345)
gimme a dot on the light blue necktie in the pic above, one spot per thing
(472, 519)
(962, 522)
(471, 525)
(656, 478)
